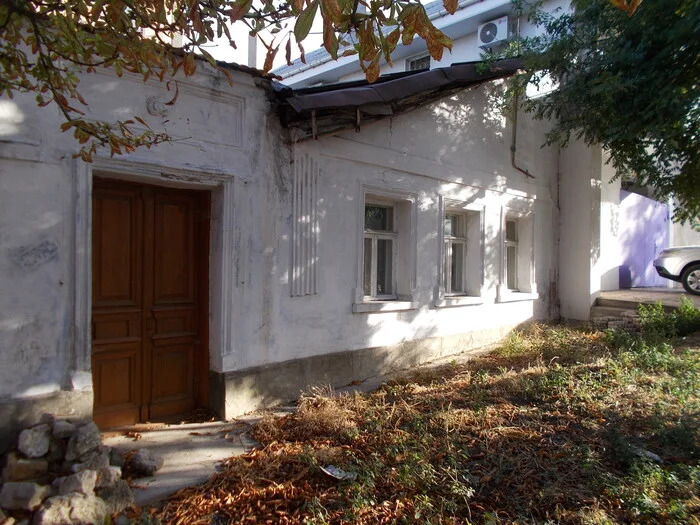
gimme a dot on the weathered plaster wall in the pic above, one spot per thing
(35, 291)
(229, 142)
(224, 139)
(579, 249)
(458, 148)
(607, 262)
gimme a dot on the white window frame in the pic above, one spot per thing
(511, 243)
(457, 238)
(374, 236)
(521, 211)
(404, 253)
(416, 58)
(472, 215)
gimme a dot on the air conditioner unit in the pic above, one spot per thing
(493, 32)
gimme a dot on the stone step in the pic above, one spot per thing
(622, 304)
(609, 311)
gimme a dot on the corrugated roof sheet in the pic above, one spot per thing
(324, 109)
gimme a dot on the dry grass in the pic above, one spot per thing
(319, 415)
(550, 428)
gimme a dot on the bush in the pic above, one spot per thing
(657, 323)
(687, 317)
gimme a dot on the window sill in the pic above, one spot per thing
(512, 297)
(459, 300)
(383, 306)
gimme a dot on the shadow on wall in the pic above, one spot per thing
(643, 233)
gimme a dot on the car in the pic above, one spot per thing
(681, 264)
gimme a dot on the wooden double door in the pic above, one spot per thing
(149, 302)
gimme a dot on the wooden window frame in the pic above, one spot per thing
(511, 243)
(456, 238)
(374, 236)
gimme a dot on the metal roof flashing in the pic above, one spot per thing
(324, 109)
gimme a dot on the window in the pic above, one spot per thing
(387, 249)
(418, 63)
(512, 254)
(517, 281)
(379, 252)
(461, 271)
(454, 269)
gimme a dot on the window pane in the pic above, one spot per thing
(419, 63)
(512, 267)
(457, 264)
(511, 231)
(378, 218)
(446, 268)
(451, 225)
(384, 262)
(367, 268)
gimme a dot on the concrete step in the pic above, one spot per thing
(610, 311)
(625, 304)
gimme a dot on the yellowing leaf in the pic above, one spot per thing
(407, 36)
(189, 66)
(435, 49)
(330, 40)
(450, 5)
(305, 21)
(269, 58)
(331, 10)
(393, 37)
(372, 73)
(239, 9)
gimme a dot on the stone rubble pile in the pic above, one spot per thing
(62, 474)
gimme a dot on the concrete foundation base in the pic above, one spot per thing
(18, 414)
(237, 392)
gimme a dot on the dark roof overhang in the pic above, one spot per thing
(324, 109)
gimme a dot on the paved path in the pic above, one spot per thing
(667, 296)
(191, 453)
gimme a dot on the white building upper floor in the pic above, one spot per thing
(469, 28)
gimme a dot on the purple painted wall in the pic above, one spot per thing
(644, 233)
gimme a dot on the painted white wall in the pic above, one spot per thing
(606, 264)
(228, 141)
(453, 149)
(224, 139)
(684, 235)
(579, 206)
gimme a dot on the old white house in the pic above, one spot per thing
(283, 239)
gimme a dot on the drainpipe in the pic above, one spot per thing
(516, 105)
(513, 147)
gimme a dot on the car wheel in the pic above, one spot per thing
(691, 279)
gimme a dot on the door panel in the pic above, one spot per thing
(116, 248)
(173, 303)
(117, 307)
(643, 233)
(149, 280)
(174, 249)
